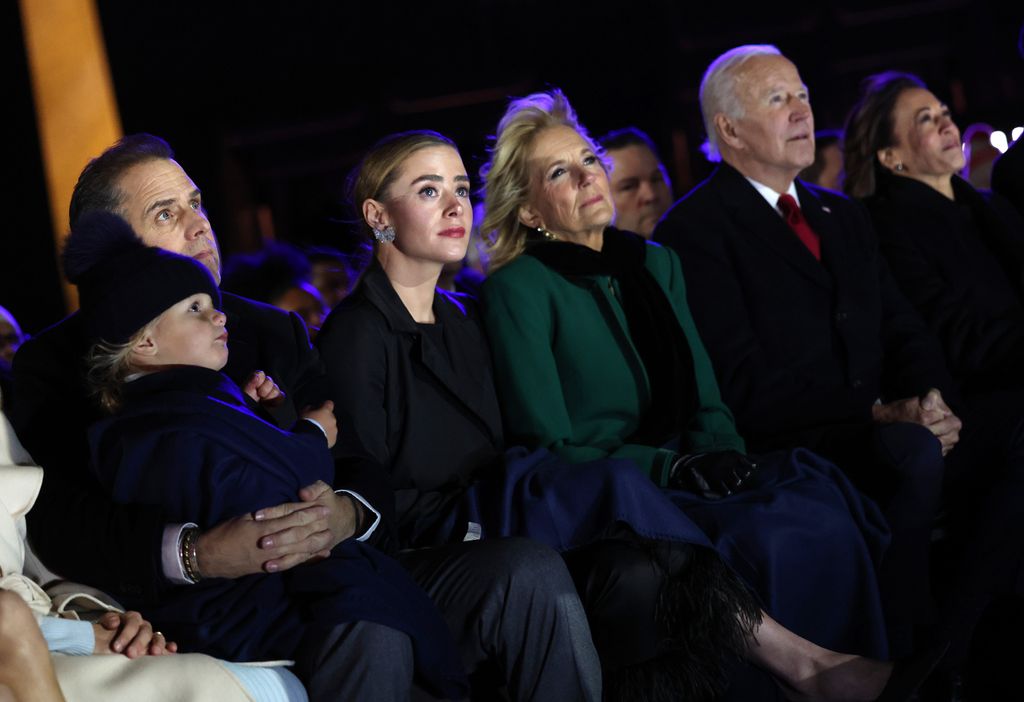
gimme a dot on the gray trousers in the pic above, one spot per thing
(510, 605)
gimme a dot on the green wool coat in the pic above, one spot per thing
(568, 375)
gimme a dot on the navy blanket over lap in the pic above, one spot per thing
(800, 535)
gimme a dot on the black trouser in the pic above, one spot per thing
(981, 559)
(900, 466)
(509, 603)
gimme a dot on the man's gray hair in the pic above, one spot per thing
(718, 90)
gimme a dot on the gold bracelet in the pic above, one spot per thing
(189, 560)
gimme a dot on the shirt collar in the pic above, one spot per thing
(771, 196)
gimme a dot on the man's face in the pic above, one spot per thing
(640, 189)
(774, 139)
(165, 209)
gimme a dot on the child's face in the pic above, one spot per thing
(190, 333)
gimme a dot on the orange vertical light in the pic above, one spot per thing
(76, 112)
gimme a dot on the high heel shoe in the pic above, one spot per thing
(909, 673)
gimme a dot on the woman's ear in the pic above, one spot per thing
(529, 217)
(887, 157)
(375, 214)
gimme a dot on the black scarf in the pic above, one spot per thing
(653, 326)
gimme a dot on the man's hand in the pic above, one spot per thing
(131, 635)
(324, 415)
(269, 540)
(263, 390)
(930, 411)
(345, 512)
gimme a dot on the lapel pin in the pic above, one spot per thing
(825, 209)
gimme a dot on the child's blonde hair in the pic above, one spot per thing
(109, 366)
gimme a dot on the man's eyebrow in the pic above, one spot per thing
(160, 204)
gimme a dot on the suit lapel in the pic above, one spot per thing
(466, 375)
(829, 232)
(755, 216)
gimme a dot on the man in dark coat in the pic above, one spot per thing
(814, 345)
(134, 550)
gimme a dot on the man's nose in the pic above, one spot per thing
(197, 224)
(646, 193)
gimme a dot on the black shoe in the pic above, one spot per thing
(909, 673)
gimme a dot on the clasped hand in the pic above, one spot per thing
(929, 411)
(130, 634)
(711, 475)
(281, 537)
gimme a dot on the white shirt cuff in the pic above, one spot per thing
(170, 553)
(376, 515)
(68, 636)
(318, 426)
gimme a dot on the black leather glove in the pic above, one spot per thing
(711, 475)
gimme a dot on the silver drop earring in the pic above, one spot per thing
(385, 235)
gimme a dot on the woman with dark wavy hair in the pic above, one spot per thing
(958, 255)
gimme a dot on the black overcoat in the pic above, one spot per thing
(373, 349)
(961, 264)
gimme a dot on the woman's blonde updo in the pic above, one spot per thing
(379, 168)
(506, 176)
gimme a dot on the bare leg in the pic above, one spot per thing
(25, 670)
(808, 672)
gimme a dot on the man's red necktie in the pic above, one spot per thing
(795, 220)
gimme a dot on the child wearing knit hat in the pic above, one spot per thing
(183, 441)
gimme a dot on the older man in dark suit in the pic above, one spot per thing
(814, 345)
(130, 549)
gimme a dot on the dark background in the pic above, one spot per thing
(269, 104)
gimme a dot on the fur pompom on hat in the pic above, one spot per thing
(123, 284)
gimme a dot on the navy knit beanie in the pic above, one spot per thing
(123, 284)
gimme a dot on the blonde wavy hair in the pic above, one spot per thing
(506, 178)
(109, 365)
